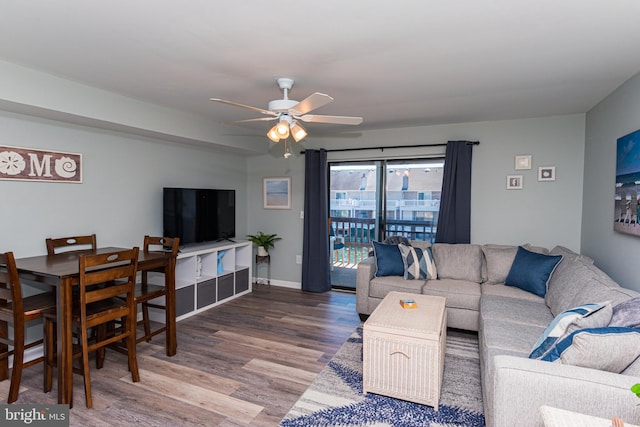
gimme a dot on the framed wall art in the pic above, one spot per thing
(547, 173)
(625, 219)
(277, 193)
(514, 182)
(523, 162)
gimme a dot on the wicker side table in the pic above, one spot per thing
(403, 349)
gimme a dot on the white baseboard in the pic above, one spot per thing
(281, 283)
(30, 354)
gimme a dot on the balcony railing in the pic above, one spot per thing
(357, 234)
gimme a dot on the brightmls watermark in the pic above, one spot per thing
(34, 415)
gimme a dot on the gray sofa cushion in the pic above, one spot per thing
(570, 255)
(569, 278)
(459, 293)
(498, 260)
(598, 287)
(537, 249)
(510, 336)
(419, 244)
(515, 310)
(458, 261)
(633, 369)
(379, 287)
(511, 292)
(564, 283)
(602, 290)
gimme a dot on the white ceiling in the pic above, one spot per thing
(404, 63)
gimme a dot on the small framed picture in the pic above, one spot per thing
(523, 162)
(277, 193)
(514, 182)
(547, 173)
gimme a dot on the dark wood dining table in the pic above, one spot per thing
(62, 272)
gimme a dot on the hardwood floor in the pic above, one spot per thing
(245, 362)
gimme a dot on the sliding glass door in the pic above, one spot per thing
(353, 211)
(372, 200)
(412, 198)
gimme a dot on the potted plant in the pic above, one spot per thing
(263, 241)
(635, 389)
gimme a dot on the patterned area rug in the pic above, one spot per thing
(335, 397)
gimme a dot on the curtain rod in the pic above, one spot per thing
(395, 146)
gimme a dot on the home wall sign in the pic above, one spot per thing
(29, 164)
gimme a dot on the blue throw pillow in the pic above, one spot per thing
(388, 260)
(531, 271)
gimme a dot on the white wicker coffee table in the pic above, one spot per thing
(403, 349)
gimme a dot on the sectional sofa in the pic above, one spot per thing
(581, 323)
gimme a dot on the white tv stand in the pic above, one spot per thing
(200, 285)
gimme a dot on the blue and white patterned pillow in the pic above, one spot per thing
(558, 328)
(418, 263)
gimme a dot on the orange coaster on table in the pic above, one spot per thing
(408, 303)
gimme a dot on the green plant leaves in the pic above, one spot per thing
(636, 389)
(265, 240)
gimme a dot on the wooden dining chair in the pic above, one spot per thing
(146, 291)
(17, 310)
(69, 244)
(98, 308)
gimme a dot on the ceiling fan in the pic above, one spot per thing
(289, 112)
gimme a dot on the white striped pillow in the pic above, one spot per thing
(418, 263)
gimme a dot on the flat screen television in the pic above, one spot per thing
(197, 215)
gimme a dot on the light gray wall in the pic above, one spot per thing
(27, 91)
(120, 198)
(543, 213)
(286, 223)
(616, 116)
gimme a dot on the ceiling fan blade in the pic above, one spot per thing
(259, 119)
(339, 120)
(259, 110)
(311, 102)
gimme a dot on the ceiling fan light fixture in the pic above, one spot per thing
(273, 134)
(298, 132)
(282, 129)
(289, 112)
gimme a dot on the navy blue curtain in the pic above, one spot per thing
(454, 219)
(316, 275)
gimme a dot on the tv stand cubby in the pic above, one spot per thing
(208, 275)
